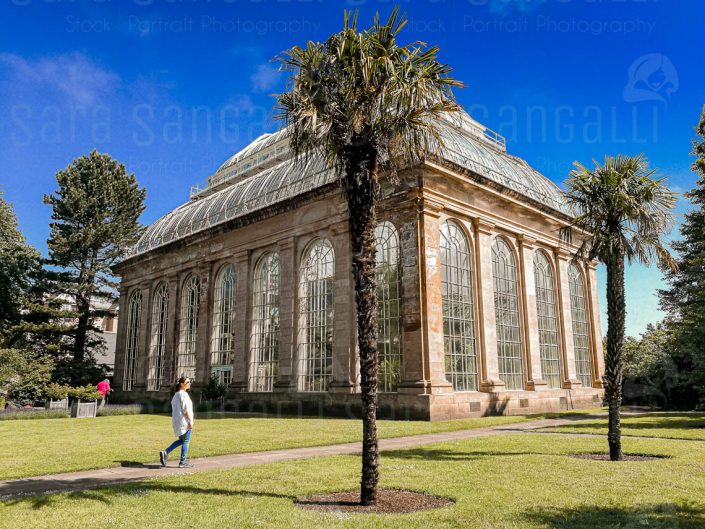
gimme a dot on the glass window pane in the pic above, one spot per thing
(506, 307)
(547, 320)
(316, 317)
(458, 309)
(389, 344)
(188, 327)
(264, 360)
(581, 326)
(222, 335)
(157, 350)
(132, 345)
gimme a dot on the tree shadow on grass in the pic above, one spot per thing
(451, 455)
(661, 516)
(106, 495)
(137, 464)
(677, 423)
(680, 423)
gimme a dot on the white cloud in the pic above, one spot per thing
(265, 77)
(242, 103)
(73, 76)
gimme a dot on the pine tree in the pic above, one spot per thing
(684, 301)
(19, 263)
(25, 367)
(94, 221)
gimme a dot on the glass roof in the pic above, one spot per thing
(264, 173)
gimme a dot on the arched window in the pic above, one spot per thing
(316, 317)
(132, 340)
(222, 336)
(389, 305)
(506, 309)
(188, 327)
(265, 324)
(581, 326)
(548, 322)
(157, 349)
(458, 308)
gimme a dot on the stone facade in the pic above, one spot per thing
(427, 196)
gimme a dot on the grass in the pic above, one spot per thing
(33, 448)
(513, 481)
(689, 426)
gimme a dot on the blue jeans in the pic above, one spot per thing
(183, 442)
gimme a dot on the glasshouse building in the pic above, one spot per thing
(483, 309)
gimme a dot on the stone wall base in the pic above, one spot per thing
(477, 404)
(391, 406)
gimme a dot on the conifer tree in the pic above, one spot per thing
(684, 301)
(24, 368)
(94, 221)
(19, 262)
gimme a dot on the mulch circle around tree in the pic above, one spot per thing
(389, 501)
(601, 456)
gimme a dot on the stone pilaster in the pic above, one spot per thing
(345, 356)
(598, 358)
(487, 326)
(243, 308)
(203, 336)
(533, 375)
(428, 361)
(562, 259)
(414, 377)
(288, 289)
(430, 229)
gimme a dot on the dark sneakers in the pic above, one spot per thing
(162, 457)
(186, 464)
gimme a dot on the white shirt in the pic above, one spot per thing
(181, 407)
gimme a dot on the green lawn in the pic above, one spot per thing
(37, 447)
(514, 481)
(668, 425)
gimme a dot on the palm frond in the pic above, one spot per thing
(364, 86)
(624, 207)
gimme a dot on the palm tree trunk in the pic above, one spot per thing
(614, 361)
(362, 191)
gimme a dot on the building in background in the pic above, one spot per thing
(107, 324)
(482, 308)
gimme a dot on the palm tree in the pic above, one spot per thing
(625, 210)
(365, 103)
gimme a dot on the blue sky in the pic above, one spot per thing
(172, 88)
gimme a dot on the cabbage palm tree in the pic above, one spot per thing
(365, 103)
(626, 211)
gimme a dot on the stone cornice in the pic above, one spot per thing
(497, 188)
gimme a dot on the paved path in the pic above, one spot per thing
(88, 479)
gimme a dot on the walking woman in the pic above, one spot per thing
(181, 421)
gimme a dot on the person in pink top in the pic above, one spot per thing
(104, 390)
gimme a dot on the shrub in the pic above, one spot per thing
(57, 391)
(23, 375)
(30, 413)
(85, 393)
(119, 409)
(214, 390)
